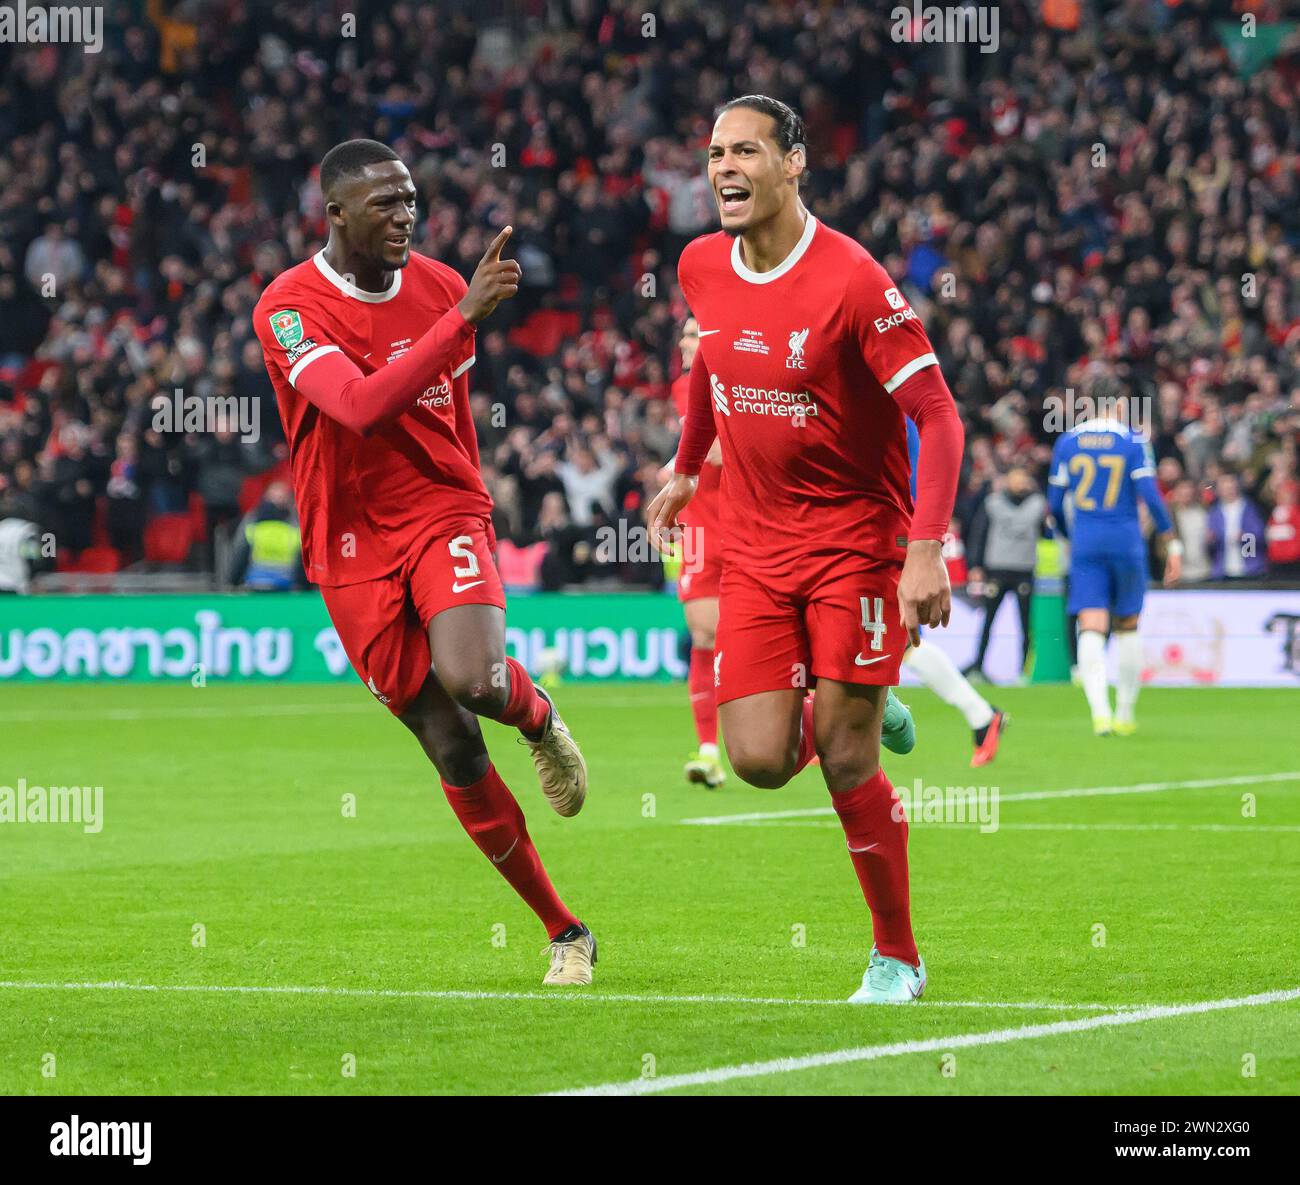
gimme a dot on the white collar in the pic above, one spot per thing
(348, 288)
(745, 273)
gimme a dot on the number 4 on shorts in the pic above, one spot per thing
(873, 621)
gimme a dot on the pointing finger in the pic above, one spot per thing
(493, 253)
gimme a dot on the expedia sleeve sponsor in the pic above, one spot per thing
(302, 348)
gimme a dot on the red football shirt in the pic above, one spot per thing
(703, 509)
(366, 502)
(801, 362)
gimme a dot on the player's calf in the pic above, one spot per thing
(449, 735)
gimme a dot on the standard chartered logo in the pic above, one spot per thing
(761, 401)
(719, 395)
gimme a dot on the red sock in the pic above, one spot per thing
(525, 709)
(492, 819)
(876, 829)
(704, 697)
(807, 742)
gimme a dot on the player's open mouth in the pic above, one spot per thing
(399, 240)
(732, 198)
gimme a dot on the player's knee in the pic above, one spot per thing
(703, 639)
(765, 768)
(844, 770)
(481, 695)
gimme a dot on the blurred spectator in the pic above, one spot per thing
(267, 552)
(589, 476)
(1235, 533)
(1036, 272)
(1191, 526)
(53, 261)
(1003, 553)
(1284, 533)
(570, 548)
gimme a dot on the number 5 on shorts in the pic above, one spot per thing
(461, 549)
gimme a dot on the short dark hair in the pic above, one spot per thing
(789, 126)
(349, 158)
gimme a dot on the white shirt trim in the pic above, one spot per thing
(1101, 425)
(348, 288)
(796, 254)
(909, 370)
(464, 366)
(1145, 471)
(310, 356)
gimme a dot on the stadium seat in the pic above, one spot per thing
(99, 560)
(250, 493)
(199, 515)
(545, 331)
(168, 539)
(520, 567)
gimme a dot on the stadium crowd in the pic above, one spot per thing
(1108, 210)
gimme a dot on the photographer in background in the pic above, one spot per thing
(1003, 553)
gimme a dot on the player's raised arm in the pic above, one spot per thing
(1142, 470)
(366, 403)
(326, 377)
(903, 361)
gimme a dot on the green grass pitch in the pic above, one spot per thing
(381, 954)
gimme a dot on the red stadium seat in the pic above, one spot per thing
(520, 567)
(99, 528)
(99, 560)
(545, 331)
(168, 539)
(250, 493)
(199, 515)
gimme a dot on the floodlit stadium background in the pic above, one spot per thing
(1083, 200)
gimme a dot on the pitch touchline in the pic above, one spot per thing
(1238, 828)
(553, 997)
(209, 712)
(1027, 796)
(867, 1053)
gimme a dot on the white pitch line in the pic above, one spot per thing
(220, 713)
(1241, 828)
(550, 997)
(210, 712)
(1027, 796)
(868, 1053)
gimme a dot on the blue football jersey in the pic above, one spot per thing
(913, 449)
(1106, 469)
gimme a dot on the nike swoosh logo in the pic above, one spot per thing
(868, 848)
(706, 332)
(460, 588)
(866, 662)
(503, 859)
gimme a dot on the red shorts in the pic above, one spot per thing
(836, 618)
(383, 623)
(701, 573)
